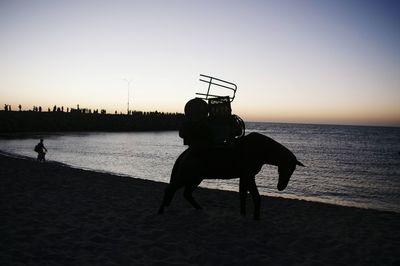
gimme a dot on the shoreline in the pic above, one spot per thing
(58, 215)
(273, 195)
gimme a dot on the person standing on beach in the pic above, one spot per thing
(41, 150)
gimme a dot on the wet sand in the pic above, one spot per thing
(56, 215)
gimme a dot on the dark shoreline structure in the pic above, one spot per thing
(29, 121)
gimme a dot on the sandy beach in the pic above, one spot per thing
(56, 215)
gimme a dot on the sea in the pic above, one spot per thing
(355, 166)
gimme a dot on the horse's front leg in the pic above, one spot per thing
(189, 188)
(243, 195)
(256, 197)
(168, 195)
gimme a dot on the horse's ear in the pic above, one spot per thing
(300, 164)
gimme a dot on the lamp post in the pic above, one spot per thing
(129, 86)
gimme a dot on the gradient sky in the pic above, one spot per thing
(293, 61)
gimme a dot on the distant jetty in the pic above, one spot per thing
(34, 121)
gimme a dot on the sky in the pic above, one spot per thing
(304, 61)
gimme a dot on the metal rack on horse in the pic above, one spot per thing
(218, 105)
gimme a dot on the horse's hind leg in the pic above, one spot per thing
(168, 195)
(256, 198)
(188, 194)
(243, 195)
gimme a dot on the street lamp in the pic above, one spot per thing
(129, 86)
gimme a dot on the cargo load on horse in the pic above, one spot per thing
(209, 121)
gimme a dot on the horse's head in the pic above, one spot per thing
(285, 172)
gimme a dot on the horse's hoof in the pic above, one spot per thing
(256, 216)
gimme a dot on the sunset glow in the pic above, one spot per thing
(293, 61)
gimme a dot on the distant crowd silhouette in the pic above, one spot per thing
(60, 118)
(61, 109)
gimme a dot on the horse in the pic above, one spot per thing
(243, 161)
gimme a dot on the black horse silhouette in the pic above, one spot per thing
(244, 161)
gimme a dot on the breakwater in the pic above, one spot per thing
(29, 121)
